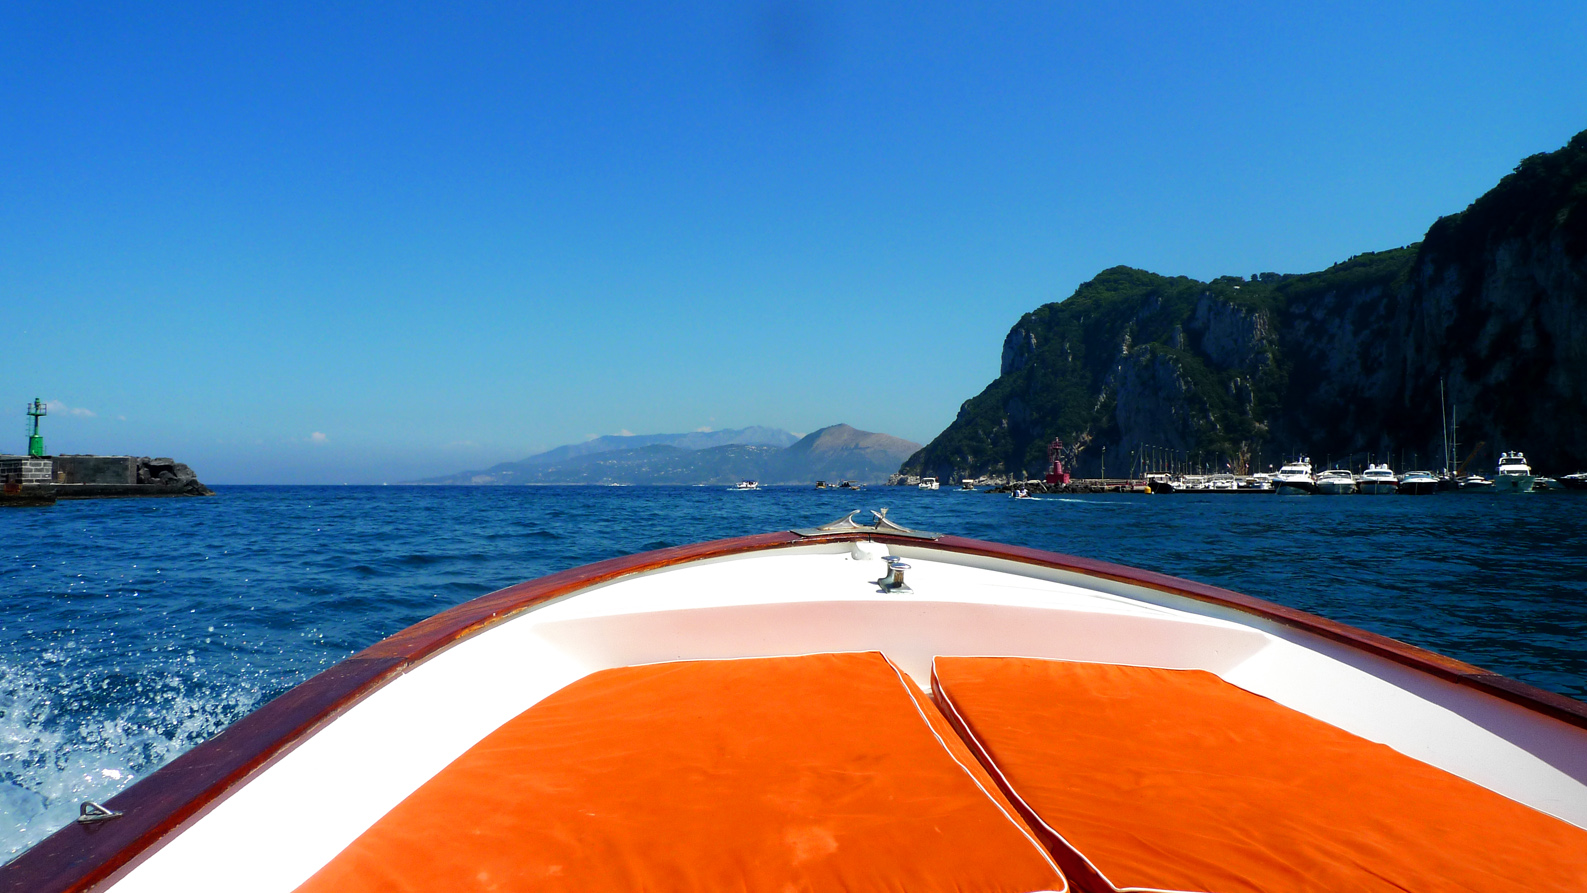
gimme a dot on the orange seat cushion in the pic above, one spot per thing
(817, 772)
(1177, 780)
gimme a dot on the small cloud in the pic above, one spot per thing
(704, 429)
(58, 407)
(625, 433)
(317, 437)
(589, 437)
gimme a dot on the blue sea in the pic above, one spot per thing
(131, 630)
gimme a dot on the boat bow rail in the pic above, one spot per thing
(1249, 640)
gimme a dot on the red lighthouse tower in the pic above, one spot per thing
(1056, 473)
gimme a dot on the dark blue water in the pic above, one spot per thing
(131, 630)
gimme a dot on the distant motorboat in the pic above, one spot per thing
(1577, 481)
(748, 485)
(1418, 483)
(928, 484)
(1515, 476)
(1295, 478)
(1336, 482)
(821, 485)
(850, 485)
(1222, 482)
(1378, 480)
(966, 485)
(1476, 483)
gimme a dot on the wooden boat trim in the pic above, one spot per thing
(82, 857)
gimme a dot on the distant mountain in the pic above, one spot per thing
(840, 452)
(693, 440)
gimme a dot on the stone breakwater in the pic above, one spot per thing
(98, 477)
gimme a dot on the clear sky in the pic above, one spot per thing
(372, 242)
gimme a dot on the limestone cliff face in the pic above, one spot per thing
(1498, 305)
(1340, 363)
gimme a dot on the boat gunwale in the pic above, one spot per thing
(81, 857)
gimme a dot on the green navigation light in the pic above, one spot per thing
(36, 410)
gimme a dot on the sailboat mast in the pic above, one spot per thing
(1443, 422)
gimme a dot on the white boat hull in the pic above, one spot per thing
(1514, 483)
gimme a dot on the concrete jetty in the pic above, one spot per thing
(34, 480)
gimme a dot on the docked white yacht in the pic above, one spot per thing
(1336, 482)
(1295, 478)
(1378, 480)
(1515, 476)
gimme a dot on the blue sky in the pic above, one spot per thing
(364, 243)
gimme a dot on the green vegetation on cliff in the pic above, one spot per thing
(1135, 359)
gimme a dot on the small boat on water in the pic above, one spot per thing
(1418, 483)
(850, 485)
(821, 485)
(1515, 476)
(748, 485)
(1475, 483)
(1295, 479)
(1577, 481)
(861, 707)
(967, 486)
(928, 484)
(1336, 482)
(1378, 480)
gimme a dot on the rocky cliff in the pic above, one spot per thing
(1340, 363)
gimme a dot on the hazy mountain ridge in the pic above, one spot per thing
(834, 453)
(691, 440)
(1342, 362)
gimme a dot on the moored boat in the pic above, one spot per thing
(1295, 479)
(861, 707)
(1475, 483)
(1336, 482)
(928, 484)
(1378, 480)
(1577, 481)
(1418, 483)
(1515, 475)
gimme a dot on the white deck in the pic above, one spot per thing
(275, 832)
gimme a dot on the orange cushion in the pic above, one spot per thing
(1177, 780)
(802, 773)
